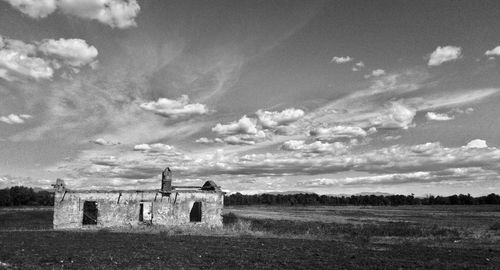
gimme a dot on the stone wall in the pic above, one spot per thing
(121, 209)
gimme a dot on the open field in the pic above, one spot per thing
(439, 237)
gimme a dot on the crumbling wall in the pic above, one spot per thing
(121, 209)
(175, 209)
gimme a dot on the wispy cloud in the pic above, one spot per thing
(101, 141)
(375, 73)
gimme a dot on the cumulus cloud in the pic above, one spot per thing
(425, 163)
(249, 131)
(175, 108)
(395, 115)
(274, 119)
(438, 116)
(74, 52)
(493, 52)
(115, 13)
(243, 126)
(444, 54)
(156, 147)
(34, 8)
(315, 147)
(341, 59)
(101, 141)
(20, 60)
(14, 118)
(477, 143)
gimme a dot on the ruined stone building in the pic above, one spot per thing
(168, 206)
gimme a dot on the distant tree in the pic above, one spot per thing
(44, 197)
(22, 195)
(5, 199)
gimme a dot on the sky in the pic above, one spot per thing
(331, 97)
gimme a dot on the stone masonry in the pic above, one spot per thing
(174, 206)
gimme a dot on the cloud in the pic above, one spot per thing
(246, 139)
(395, 115)
(452, 176)
(477, 143)
(74, 52)
(375, 73)
(115, 13)
(172, 108)
(392, 138)
(20, 60)
(11, 180)
(238, 140)
(493, 52)
(101, 141)
(155, 148)
(205, 140)
(444, 54)
(438, 116)
(424, 163)
(337, 133)
(315, 147)
(249, 131)
(34, 8)
(360, 64)
(14, 118)
(341, 59)
(274, 119)
(16, 64)
(243, 126)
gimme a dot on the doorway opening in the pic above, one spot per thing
(145, 211)
(195, 215)
(89, 213)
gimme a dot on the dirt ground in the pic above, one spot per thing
(106, 250)
(415, 238)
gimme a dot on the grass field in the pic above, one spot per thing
(406, 237)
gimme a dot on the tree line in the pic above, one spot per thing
(375, 200)
(20, 195)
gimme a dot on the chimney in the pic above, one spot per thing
(60, 186)
(166, 180)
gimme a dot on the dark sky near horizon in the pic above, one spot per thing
(321, 96)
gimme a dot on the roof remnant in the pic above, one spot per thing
(210, 185)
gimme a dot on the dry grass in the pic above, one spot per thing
(410, 239)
